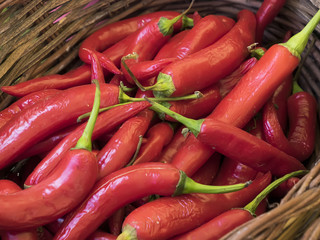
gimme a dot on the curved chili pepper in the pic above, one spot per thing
(208, 171)
(9, 187)
(35, 123)
(158, 136)
(24, 102)
(99, 235)
(167, 217)
(238, 144)
(62, 191)
(114, 222)
(129, 184)
(268, 10)
(209, 65)
(229, 220)
(171, 149)
(112, 33)
(284, 188)
(105, 122)
(193, 154)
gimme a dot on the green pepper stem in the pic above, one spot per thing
(136, 152)
(84, 141)
(193, 125)
(252, 206)
(297, 43)
(186, 185)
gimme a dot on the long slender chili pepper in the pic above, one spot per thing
(268, 10)
(238, 144)
(194, 154)
(99, 235)
(9, 187)
(105, 122)
(62, 191)
(24, 102)
(96, 42)
(255, 88)
(130, 184)
(209, 65)
(35, 123)
(167, 217)
(157, 136)
(112, 33)
(229, 220)
(115, 221)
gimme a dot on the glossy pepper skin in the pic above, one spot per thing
(105, 122)
(167, 217)
(99, 235)
(24, 102)
(302, 119)
(35, 123)
(209, 65)
(64, 189)
(266, 13)
(8, 187)
(112, 33)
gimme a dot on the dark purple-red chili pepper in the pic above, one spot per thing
(24, 102)
(129, 184)
(158, 136)
(106, 121)
(114, 32)
(61, 192)
(268, 10)
(238, 144)
(209, 65)
(167, 217)
(8, 187)
(229, 220)
(99, 235)
(46, 117)
(115, 221)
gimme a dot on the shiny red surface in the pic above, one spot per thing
(116, 190)
(46, 117)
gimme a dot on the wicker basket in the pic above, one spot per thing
(35, 41)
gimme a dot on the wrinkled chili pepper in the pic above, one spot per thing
(302, 111)
(112, 33)
(167, 217)
(238, 144)
(105, 122)
(24, 102)
(62, 191)
(266, 13)
(255, 88)
(209, 65)
(157, 136)
(35, 123)
(229, 220)
(9, 187)
(129, 184)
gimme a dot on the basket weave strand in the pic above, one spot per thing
(33, 44)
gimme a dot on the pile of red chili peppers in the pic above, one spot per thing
(186, 131)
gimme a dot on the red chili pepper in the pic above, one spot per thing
(106, 121)
(229, 220)
(201, 69)
(268, 10)
(157, 136)
(62, 191)
(9, 187)
(46, 117)
(194, 154)
(171, 149)
(167, 217)
(302, 110)
(208, 171)
(284, 188)
(121, 147)
(115, 221)
(238, 144)
(130, 184)
(22, 103)
(112, 33)
(99, 235)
